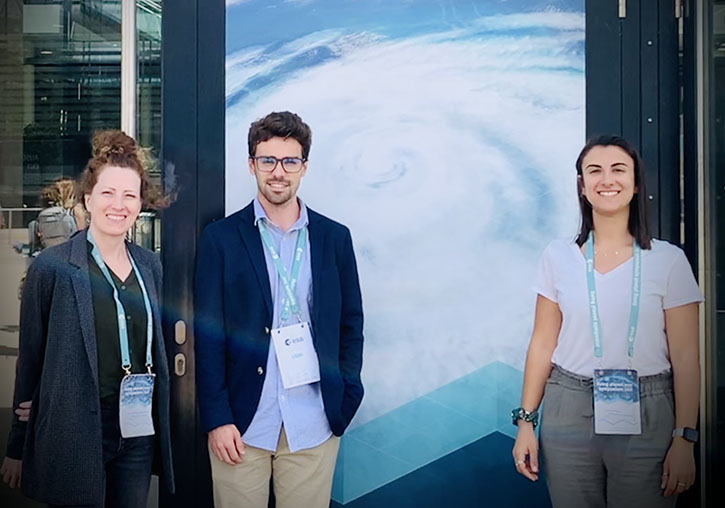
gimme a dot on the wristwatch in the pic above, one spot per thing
(687, 433)
(528, 416)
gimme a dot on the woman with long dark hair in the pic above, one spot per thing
(614, 351)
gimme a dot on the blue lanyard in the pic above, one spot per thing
(121, 312)
(289, 283)
(594, 305)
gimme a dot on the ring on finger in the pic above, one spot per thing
(520, 462)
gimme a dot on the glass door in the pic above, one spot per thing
(712, 110)
(60, 80)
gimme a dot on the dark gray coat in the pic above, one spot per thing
(61, 445)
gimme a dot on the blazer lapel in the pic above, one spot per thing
(317, 242)
(84, 298)
(253, 243)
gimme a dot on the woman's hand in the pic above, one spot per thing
(23, 410)
(11, 470)
(678, 470)
(547, 324)
(526, 451)
(681, 324)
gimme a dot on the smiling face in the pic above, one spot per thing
(278, 187)
(115, 201)
(607, 180)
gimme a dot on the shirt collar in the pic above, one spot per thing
(260, 214)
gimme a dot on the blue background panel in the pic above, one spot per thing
(480, 474)
(422, 431)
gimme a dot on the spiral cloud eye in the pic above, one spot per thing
(450, 155)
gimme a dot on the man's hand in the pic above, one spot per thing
(23, 410)
(226, 444)
(12, 470)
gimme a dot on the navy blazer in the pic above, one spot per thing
(61, 445)
(233, 317)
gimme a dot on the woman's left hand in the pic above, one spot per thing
(23, 410)
(678, 470)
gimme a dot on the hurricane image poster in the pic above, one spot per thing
(444, 135)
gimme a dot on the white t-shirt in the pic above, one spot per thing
(667, 282)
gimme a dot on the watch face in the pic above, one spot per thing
(690, 435)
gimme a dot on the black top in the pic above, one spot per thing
(110, 372)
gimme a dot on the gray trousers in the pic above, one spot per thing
(587, 470)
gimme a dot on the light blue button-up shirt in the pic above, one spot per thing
(299, 409)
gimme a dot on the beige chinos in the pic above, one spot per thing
(302, 479)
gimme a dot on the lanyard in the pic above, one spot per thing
(288, 282)
(594, 305)
(121, 312)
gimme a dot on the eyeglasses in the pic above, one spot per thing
(268, 163)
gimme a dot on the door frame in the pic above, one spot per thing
(192, 158)
(636, 94)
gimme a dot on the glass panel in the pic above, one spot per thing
(59, 81)
(148, 23)
(148, 26)
(60, 70)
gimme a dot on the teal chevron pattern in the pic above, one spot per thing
(426, 429)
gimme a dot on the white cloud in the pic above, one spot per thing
(451, 158)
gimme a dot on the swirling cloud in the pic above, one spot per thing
(450, 155)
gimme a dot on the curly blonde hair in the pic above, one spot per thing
(60, 193)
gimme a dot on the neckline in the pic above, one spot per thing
(121, 281)
(114, 275)
(583, 259)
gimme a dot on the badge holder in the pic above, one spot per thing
(135, 403)
(296, 355)
(616, 402)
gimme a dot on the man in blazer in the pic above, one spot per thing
(274, 395)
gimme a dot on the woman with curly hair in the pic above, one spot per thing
(91, 357)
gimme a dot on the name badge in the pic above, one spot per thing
(134, 408)
(296, 355)
(616, 402)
